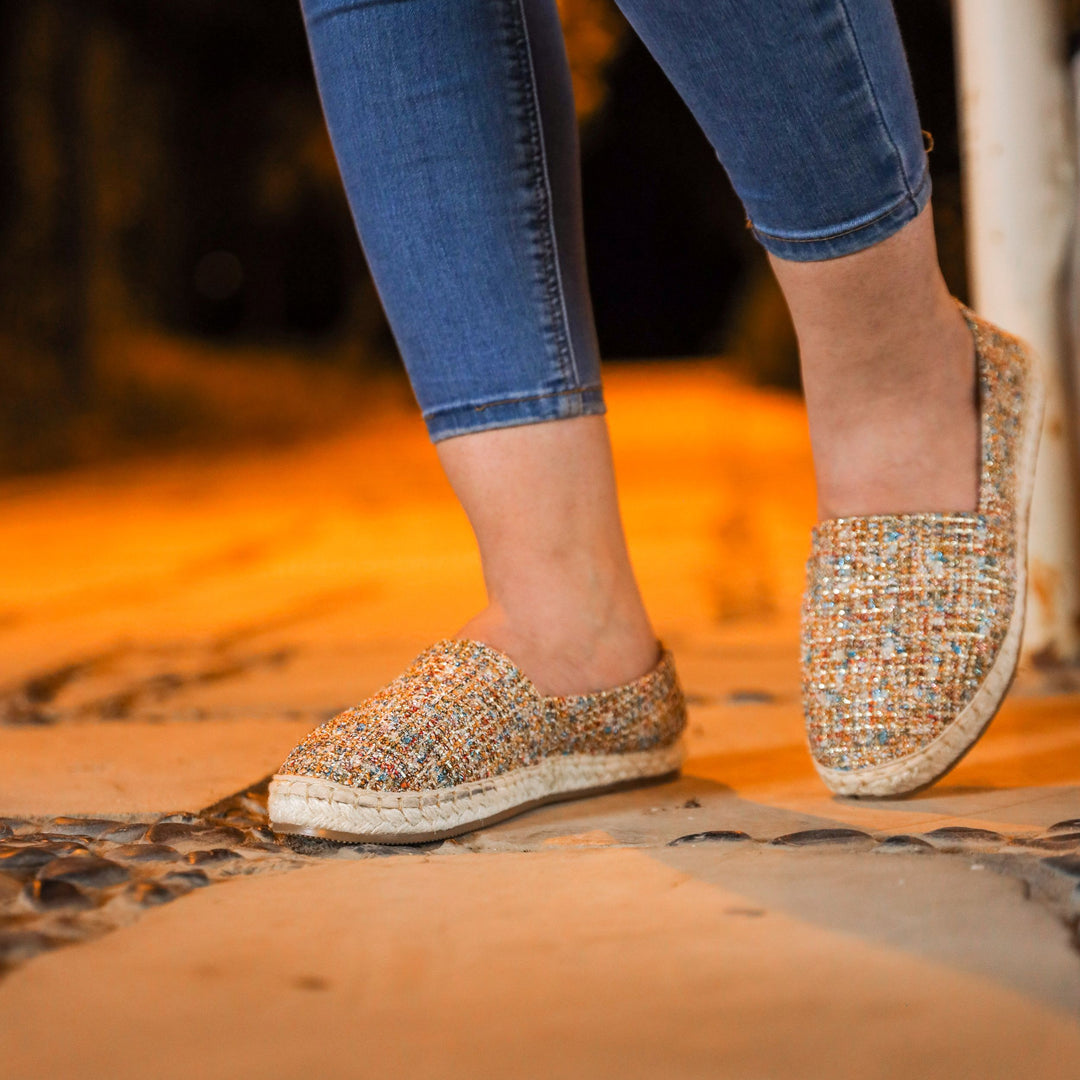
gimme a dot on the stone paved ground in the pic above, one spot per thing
(168, 631)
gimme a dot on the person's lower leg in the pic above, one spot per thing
(563, 600)
(811, 110)
(889, 375)
(453, 123)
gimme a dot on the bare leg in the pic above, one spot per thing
(888, 368)
(563, 600)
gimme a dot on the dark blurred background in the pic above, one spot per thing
(177, 260)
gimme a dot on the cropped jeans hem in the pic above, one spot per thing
(852, 236)
(465, 419)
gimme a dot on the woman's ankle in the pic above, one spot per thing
(570, 653)
(889, 374)
(905, 443)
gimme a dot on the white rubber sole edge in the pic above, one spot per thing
(307, 806)
(934, 760)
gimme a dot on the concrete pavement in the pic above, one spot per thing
(170, 629)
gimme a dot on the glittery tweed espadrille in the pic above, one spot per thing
(463, 739)
(912, 622)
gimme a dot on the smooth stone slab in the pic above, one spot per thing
(136, 768)
(706, 991)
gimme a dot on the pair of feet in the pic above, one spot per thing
(897, 441)
(911, 628)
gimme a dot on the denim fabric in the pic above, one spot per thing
(453, 126)
(809, 106)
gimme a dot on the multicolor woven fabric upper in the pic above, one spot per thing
(464, 712)
(903, 615)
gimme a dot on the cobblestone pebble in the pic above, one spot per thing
(262, 837)
(127, 832)
(1064, 864)
(70, 843)
(1071, 825)
(191, 879)
(319, 848)
(50, 895)
(837, 837)
(19, 945)
(10, 887)
(149, 893)
(208, 858)
(91, 828)
(241, 812)
(51, 870)
(178, 832)
(89, 870)
(145, 853)
(750, 697)
(960, 838)
(64, 845)
(1053, 842)
(717, 836)
(27, 858)
(903, 842)
(181, 817)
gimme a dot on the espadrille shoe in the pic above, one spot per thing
(912, 622)
(463, 739)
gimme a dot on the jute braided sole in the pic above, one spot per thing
(305, 806)
(921, 769)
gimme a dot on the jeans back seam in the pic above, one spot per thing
(874, 98)
(536, 397)
(551, 271)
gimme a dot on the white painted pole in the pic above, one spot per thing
(1020, 205)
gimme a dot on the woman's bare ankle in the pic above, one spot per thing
(889, 374)
(571, 655)
(564, 603)
(906, 446)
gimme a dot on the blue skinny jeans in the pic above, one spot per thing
(454, 129)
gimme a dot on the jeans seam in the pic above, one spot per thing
(552, 273)
(877, 104)
(536, 397)
(480, 406)
(906, 198)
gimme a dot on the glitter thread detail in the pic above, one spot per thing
(464, 712)
(904, 614)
